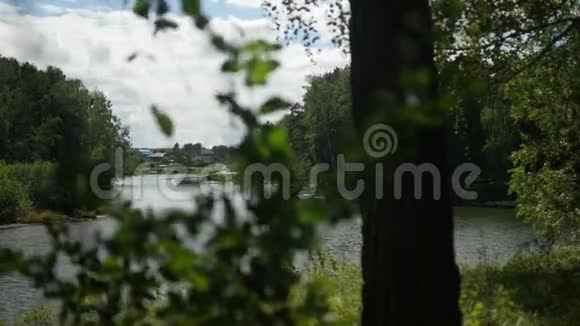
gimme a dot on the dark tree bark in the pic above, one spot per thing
(409, 271)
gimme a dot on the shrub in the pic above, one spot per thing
(39, 182)
(14, 201)
(549, 198)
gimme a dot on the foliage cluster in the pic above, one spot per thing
(546, 110)
(47, 117)
(518, 62)
(27, 186)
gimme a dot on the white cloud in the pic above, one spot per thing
(178, 70)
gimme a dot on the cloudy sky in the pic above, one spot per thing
(178, 70)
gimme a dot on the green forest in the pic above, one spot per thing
(492, 83)
(527, 153)
(48, 120)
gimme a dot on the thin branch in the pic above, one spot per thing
(546, 50)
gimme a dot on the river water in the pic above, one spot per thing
(481, 235)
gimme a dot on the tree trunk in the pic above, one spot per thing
(409, 271)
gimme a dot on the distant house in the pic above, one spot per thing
(157, 156)
(206, 156)
(208, 153)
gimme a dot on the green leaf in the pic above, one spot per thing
(141, 8)
(278, 140)
(163, 121)
(259, 70)
(274, 104)
(191, 7)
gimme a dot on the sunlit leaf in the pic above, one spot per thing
(259, 70)
(260, 46)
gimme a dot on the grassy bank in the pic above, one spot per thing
(528, 290)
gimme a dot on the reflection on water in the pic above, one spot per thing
(481, 234)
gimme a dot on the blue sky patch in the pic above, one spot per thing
(213, 8)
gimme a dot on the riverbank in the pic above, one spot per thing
(49, 217)
(529, 290)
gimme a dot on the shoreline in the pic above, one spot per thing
(68, 220)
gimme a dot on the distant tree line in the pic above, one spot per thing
(196, 154)
(45, 116)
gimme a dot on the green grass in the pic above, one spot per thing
(528, 290)
(343, 282)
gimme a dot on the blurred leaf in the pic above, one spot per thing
(274, 104)
(141, 8)
(231, 66)
(132, 56)
(191, 7)
(258, 71)
(260, 46)
(163, 121)
(162, 23)
(219, 43)
(162, 7)
(201, 21)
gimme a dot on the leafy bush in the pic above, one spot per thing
(38, 180)
(547, 198)
(14, 201)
